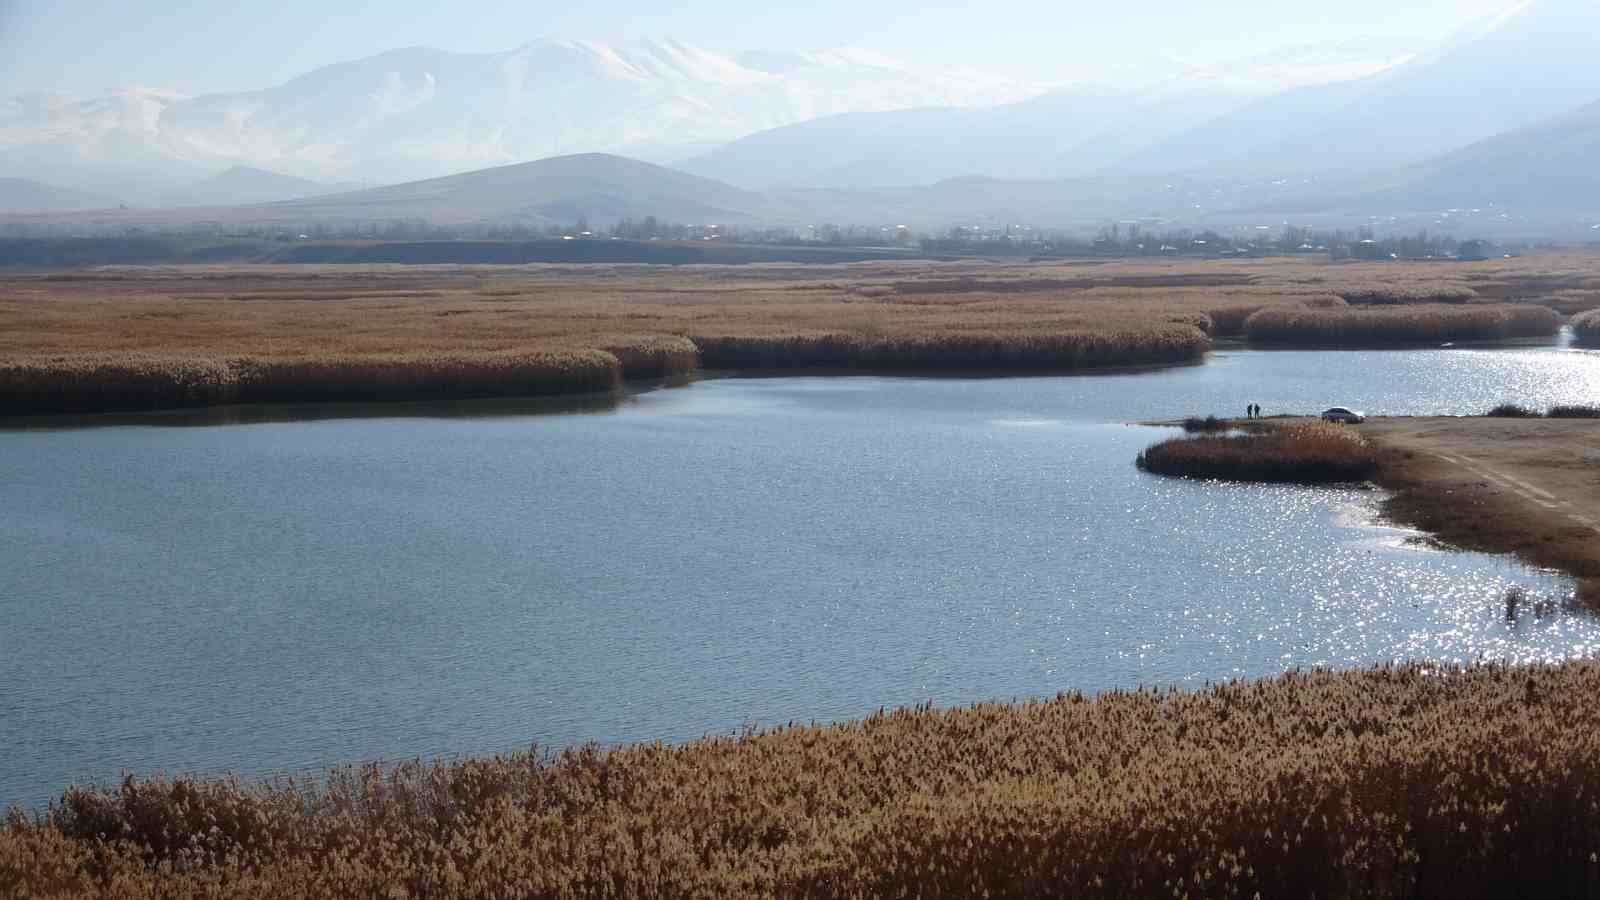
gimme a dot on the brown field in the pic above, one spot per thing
(1409, 781)
(131, 338)
(1297, 451)
(1501, 484)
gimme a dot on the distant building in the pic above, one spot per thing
(1367, 249)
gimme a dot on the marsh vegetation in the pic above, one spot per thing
(1306, 452)
(1561, 411)
(1420, 324)
(138, 338)
(1400, 781)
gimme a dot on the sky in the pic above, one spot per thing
(80, 47)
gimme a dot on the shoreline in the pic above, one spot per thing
(1512, 486)
(625, 377)
(1484, 484)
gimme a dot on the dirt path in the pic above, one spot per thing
(1524, 486)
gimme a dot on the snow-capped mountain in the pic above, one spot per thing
(420, 112)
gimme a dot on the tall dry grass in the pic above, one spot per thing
(1310, 452)
(1401, 325)
(1412, 781)
(957, 351)
(1381, 294)
(84, 383)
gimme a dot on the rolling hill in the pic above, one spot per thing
(243, 185)
(560, 190)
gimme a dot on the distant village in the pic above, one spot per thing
(1114, 240)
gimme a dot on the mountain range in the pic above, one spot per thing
(1504, 115)
(1512, 71)
(603, 189)
(419, 112)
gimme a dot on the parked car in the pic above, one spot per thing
(1343, 415)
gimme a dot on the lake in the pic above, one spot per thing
(304, 587)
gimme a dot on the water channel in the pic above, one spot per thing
(300, 588)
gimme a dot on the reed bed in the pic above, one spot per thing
(1574, 411)
(1402, 325)
(1407, 294)
(76, 384)
(1512, 411)
(1413, 781)
(970, 351)
(1564, 411)
(1586, 328)
(1207, 424)
(1305, 452)
(1572, 303)
(134, 338)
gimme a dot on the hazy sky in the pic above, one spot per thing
(77, 46)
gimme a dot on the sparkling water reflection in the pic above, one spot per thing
(291, 594)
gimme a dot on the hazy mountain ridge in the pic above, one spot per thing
(1069, 132)
(1547, 167)
(603, 189)
(1503, 74)
(418, 112)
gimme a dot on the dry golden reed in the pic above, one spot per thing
(1408, 781)
(1401, 324)
(1301, 452)
(1389, 294)
(131, 338)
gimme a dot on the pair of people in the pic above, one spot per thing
(1253, 411)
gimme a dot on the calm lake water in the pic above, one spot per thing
(466, 578)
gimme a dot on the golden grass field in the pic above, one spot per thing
(132, 338)
(1405, 781)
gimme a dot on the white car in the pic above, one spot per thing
(1346, 416)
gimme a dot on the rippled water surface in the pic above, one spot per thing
(467, 578)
